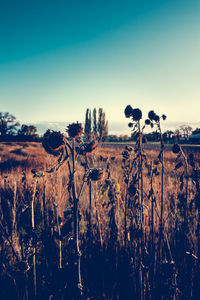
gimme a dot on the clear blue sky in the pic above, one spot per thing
(58, 58)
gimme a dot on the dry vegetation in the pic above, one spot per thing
(131, 247)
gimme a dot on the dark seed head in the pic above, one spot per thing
(128, 111)
(74, 130)
(176, 148)
(156, 118)
(136, 114)
(96, 174)
(164, 117)
(89, 147)
(147, 122)
(132, 189)
(53, 142)
(151, 115)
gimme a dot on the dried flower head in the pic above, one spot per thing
(125, 154)
(151, 115)
(53, 142)
(164, 117)
(147, 122)
(130, 124)
(91, 146)
(176, 148)
(128, 111)
(96, 174)
(132, 190)
(136, 114)
(74, 130)
(156, 118)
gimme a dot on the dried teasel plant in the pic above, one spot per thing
(67, 150)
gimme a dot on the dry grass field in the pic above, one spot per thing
(132, 248)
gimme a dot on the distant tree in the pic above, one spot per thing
(27, 130)
(168, 135)
(102, 125)
(88, 122)
(96, 127)
(186, 131)
(8, 124)
(94, 120)
(112, 138)
(177, 135)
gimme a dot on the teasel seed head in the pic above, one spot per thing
(74, 130)
(147, 122)
(91, 146)
(176, 149)
(128, 111)
(132, 190)
(53, 142)
(151, 115)
(136, 114)
(96, 174)
(156, 118)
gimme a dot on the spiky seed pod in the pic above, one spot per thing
(96, 174)
(151, 115)
(128, 111)
(128, 148)
(89, 147)
(74, 130)
(132, 190)
(125, 154)
(164, 117)
(81, 150)
(53, 142)
(130, 125)
(176, 149)
(147, 122)
(156, 118)
(136, 114)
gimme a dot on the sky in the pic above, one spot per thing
(58, 58)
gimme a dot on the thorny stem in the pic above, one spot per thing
(162, 193)
(34, 248)
(75, 217)
(140, 198)
(59, 231)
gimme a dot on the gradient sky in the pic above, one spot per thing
(58, 58)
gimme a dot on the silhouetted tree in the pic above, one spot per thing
(88, 122)
(8, 124)
(102, 125)
(95, 120)
(27, 130)
(186, 131)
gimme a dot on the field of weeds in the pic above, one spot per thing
(90, 222)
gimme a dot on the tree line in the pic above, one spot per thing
(9, 129)
(96, 124)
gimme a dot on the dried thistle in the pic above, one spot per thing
(74, 130)
(96, 174)
(128, 111)
(136, 114)
(176, 148)
(53, 142)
